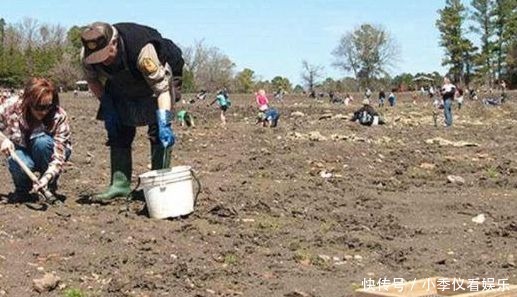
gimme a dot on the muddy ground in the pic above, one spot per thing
(282, 212)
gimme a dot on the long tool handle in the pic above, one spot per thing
(17, 159)
(45, 192)
(24, 167)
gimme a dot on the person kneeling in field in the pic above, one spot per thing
(335, 99)
(201, 95)
(186, 118)
(37, 131)
(491, 101)
(367, 116)
(269, 117)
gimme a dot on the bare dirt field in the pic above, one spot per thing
(310, 208)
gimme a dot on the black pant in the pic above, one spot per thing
(126, 134)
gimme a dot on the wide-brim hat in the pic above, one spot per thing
(95, 38)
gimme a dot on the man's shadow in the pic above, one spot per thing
(135, 198)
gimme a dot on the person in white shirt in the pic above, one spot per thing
(448, 91)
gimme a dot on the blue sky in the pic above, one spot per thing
(271, 37)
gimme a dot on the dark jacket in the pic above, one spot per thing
(365, 115)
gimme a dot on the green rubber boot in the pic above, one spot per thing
(121, 167)
(160, 157)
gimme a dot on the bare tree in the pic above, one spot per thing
(347, 55)
(44, 34)
(28, 29)
(65, 72)
(482, 14)
(30, 48)
(369, 52)
(58, 34)
(310, 74)
(49, 36)
(210, 67)
(55, 35)
(217, 71)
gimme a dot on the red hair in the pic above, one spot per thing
(39, 91)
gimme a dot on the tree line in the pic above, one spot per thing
(368, 52)
(30, 48)
(479, 42)
(490, 58)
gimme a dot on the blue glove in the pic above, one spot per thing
(165, 133)
(111, 118)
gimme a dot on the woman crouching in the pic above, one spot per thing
(37, 130)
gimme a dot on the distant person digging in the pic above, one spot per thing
(268, 118)
(502, 84)
(473, 94)
(414, 96)
(335, 99)
(348, 99)
(186, 118)
(431, 92)
(490, 101)
(382, 98)
(201, 95)
(504, 95)
(367, 115)
(279, 95)
(368, 93)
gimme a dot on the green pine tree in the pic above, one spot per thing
(483, 14)
(452, 38)
(504, 19)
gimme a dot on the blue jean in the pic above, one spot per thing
(37, 157)
(447, 112)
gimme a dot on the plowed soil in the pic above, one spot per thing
(310, 208)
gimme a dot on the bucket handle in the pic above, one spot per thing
(198, 186)
(137, 187)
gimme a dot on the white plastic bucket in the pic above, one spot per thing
(168, 192)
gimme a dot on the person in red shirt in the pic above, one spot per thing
(262, 101)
